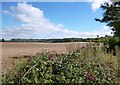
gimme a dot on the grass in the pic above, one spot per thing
(82, 65)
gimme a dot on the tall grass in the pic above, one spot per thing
(93, 52)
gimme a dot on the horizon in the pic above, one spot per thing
(50, 20)
(51, 38)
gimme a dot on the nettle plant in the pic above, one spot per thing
(75, 67)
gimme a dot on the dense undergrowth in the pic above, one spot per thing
(90, 65)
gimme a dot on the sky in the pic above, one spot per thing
(45, 20)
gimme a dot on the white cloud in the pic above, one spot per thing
(106, 30)
(97, 3)
(106, 27)
(35, 24)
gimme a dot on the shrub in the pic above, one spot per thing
(110, 43)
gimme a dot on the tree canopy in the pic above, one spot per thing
(111, 16)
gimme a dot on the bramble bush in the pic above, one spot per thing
(75, 67)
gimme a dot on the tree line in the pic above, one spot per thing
(52, 40)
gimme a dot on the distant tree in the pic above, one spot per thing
(3, 40)
(97, 36)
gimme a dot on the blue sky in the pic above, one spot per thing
(51, 20)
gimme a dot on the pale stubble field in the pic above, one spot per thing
(13, 50)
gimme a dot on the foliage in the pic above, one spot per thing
(51, 40)
(110, 43)
(111, 16)
(89, 66)
(2, 40)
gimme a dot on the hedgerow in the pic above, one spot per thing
(75, 67)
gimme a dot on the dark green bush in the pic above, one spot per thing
(110, 43)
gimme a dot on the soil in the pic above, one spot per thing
(13, 50)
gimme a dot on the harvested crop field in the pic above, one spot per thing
(13, 50)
